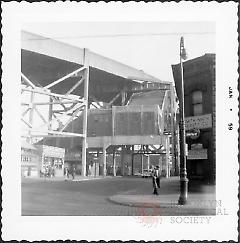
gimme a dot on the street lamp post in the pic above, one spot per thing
(183, 170)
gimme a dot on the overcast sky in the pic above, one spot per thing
(140, 46)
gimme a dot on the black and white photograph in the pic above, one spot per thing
(120, 117)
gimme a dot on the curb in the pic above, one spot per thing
(155, 204)
(87, 179)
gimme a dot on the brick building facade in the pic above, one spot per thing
(199, 95)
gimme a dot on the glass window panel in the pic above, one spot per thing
(197, 97)
(197, 109)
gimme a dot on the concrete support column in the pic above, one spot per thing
(104, 158)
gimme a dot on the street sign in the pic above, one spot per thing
(198, 122)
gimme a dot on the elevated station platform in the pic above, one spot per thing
(131, 107)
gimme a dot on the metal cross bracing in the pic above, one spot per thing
(72, 107)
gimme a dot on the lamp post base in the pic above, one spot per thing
(183, 191)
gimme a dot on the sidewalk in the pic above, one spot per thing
(199, 196)
(63, 178)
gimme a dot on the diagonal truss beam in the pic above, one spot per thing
(58, 120)
(95, 105)
(44, 92)
(26, 111)
(52, 103)
(61, 103)
(77, 104)
(63, 114)
(40, 115)
(72, 118)
(64, 77)
(112, 101)
(27, 80)
(56, 133)
(75, 86)
(27, 123)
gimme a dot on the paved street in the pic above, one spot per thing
(48, 197)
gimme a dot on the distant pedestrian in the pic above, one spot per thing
(158, 176)
(66, 173)
(154, 181)
(73, 172)
(89, 170)
(52, 172)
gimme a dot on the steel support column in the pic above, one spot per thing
(122, 160)
(132, 158)
(148, 162)
(50, 113)
(31, 115)
(104, 155)
(85, 112)
(114, 162)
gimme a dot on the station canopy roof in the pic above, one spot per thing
(45, 60)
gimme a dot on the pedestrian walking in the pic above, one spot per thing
(158, 176)
(154, 181)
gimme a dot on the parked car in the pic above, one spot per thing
(137, 174)
(146, 173)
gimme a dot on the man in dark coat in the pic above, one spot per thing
(154, 181)
(158, 176)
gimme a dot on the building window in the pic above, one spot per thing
(197, 103)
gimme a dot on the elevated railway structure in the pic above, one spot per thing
(108, 107)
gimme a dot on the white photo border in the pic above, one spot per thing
(221, 228)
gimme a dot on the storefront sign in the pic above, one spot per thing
(197, 154)
(198, 122)
(73, 156)
(50, 151)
